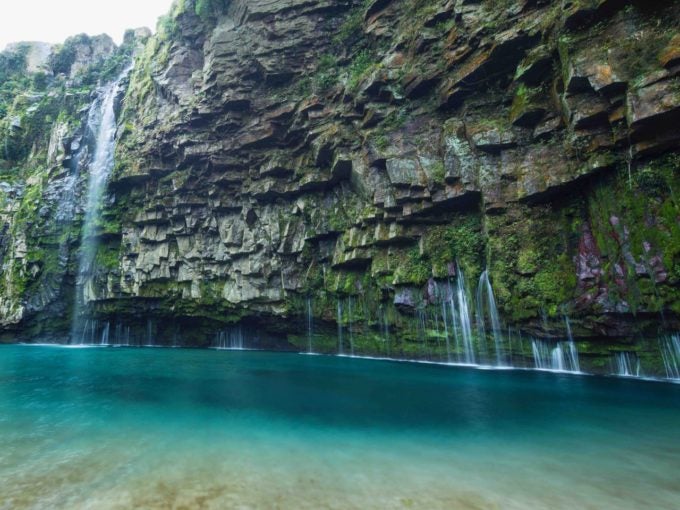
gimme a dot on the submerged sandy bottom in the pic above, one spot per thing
(99, 429)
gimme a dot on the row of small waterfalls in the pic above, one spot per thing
(455, 329)
(452, 325)
(451, 331)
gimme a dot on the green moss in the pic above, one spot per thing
(530, 252)
(326, 73)
(209, 9)
(633, 222)
(108, 256)
(351, 29)
(460, 242)
(438, 171)
(362, 63)
(381, 141)
(412, 269)
(525, 97)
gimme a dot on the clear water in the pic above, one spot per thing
(173, 428)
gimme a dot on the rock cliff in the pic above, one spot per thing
(347, 160)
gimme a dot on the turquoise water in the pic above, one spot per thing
(174, 428)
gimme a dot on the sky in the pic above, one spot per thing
(54, 20)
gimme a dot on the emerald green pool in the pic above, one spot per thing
(176, 428)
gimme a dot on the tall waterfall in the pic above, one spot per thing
(101, 129)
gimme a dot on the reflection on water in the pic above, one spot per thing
(97, 428)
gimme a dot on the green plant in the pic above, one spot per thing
(209, 9)
(350, 31)
(326, 73)
(361, 63)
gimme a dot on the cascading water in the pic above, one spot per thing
(149, 333)
(121, 335)
(105, 333)
(626, 364)
(559, 357)
(670, 353)
(341, 349)
(384, 328)
(464, 318)
(101, 126)
(88, 332)
(453, 313)
(572, 351)
(350, 325)
(445, 321)
(486, 305)
(231, 338)
(422, 330)
(456, 322)
(310, 326)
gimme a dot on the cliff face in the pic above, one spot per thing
(45, 94)
(352, 158)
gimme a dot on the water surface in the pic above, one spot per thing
(174, 428)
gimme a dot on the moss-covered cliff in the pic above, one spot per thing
(354, 157)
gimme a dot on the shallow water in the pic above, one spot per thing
(174, 428)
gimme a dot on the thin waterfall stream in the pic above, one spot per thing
(626, 364)
(670, 354)
(310, 326)
(486, 305)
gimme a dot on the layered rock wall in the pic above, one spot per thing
(272, 152)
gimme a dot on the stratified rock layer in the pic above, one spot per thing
(273, 151)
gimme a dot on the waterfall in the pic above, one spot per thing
(559, 357)
(149, 333)
(510, 336)
(230, 338)
(310, 325)
(541, 353)
(101, 127)
(454, 311)
(422, 329)
(384, 328)
(446, 326)
(88, 333)
(567, 324)
(670, 353)
(572, 351)
(121, 335)
(626, 364)
(464, 317)
(349, 325)
(105, 333)
(488, 306)
(341, 349)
